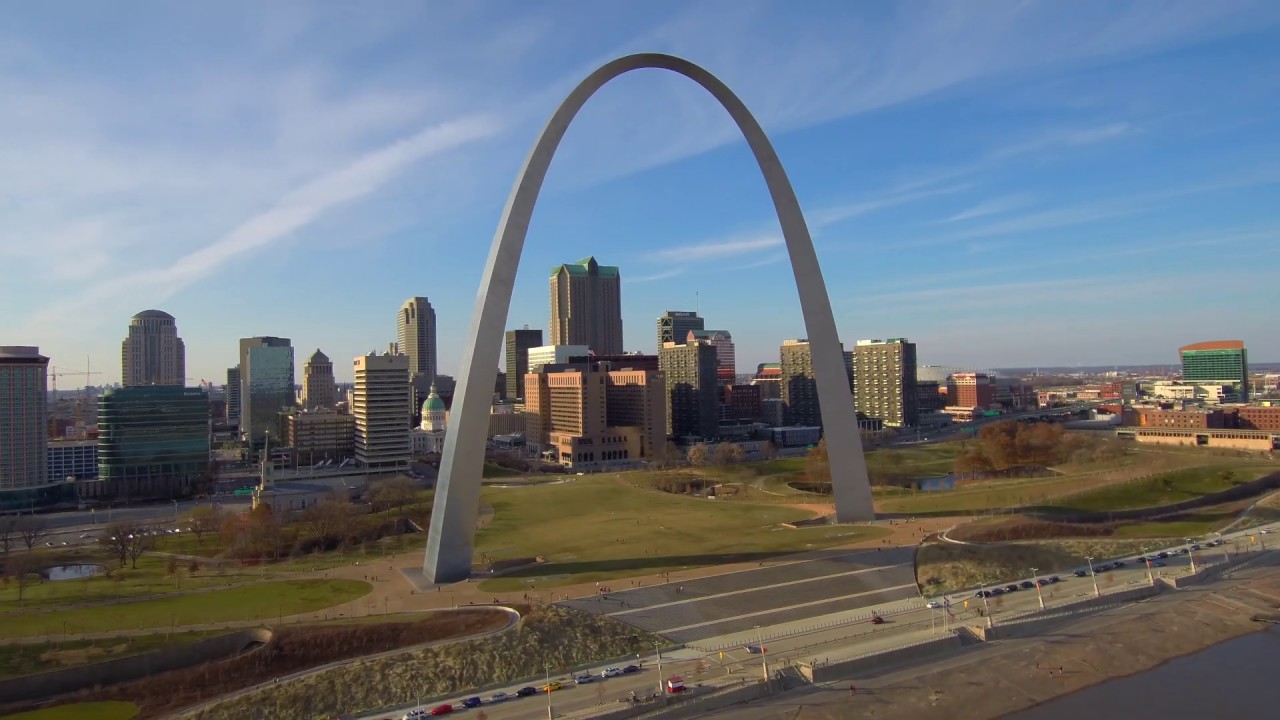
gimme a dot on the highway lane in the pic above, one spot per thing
(824, 583)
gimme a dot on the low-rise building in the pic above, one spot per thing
(319, 435)
(72, 460)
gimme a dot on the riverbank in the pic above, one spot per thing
(1008, 676)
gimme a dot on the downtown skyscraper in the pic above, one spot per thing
(586, 306)
(517, 359)
(153, 354)
(24, 374)
(416, 338)
(266, 384)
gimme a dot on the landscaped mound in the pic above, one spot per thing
(548, 635)
(293, 649)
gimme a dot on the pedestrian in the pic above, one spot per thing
(853, 689)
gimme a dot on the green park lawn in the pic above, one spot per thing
(600, 528)
(81, 711)
(262, 601)
(1163, 489)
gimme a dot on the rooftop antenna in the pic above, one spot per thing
(697, 302)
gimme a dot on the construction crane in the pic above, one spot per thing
(69, 372)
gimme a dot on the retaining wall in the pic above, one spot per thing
(45, 685)
(870, 664)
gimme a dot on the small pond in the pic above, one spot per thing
(72, 572)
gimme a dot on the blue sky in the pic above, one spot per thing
(1006, 183)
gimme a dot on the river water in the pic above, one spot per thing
(1234, 679)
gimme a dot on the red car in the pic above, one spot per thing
(877, 620)
(442, 709)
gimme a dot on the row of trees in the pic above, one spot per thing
(725, 453)
(1012, 446)
(21, 530)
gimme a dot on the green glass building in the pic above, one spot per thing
(153, 442)
(1219, 362)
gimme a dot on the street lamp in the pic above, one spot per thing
(1146, 560)
(1226, 551)
(662, 690)
(1039, 592)
(1094, 575)
(987, 608)
(550, 714)
(175, 511)
(764, 661)
(1191, 555)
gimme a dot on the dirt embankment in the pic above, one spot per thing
(1099, 648)
(943, 567)
(293, 649)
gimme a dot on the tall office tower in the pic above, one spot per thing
(318, 388)
(266, 385)
(24, 428)
(381, 407)
(586, 306)
(153, 354)
(416, 338)
(517, 356)
(726, 356)
(693, 393)
(884, 381)
(233, 395)
(674, 326)
(153, 442)
(1217, 361)
(799, 388)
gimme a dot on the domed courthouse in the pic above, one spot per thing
(429, 436)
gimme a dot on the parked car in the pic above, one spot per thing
(444, 709)
(1027, 585)
(526, 691)
(1054, 578)
(997, 591)
(1140, 558)
(1118, 564)
(1042, 582)
(877, 620)
(630, 669)
(1157, 564)
(1162, 554)
(498, 697)
(419, 714)
(584, 678)
(472, 702)
(1012, 587)
(1195, 547)
(934, 604)
(552, 686)
(1081, 573)
(610, 672)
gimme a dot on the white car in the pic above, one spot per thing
(499, 697)
(934, 604)
(610, 672)
(583, 679)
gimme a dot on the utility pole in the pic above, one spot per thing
(1094, 575)
(1036, 580)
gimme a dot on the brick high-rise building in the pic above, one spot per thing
(693, 396)
(884, 381)
(970, 390)
(799, 386)
(153, 354)
(586, 306)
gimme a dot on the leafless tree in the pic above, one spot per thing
(128, 541)
(24, 570)
(205, 520)
(8, 533)
(329, 519)
(728, 454)
(31, 529)
(698, 455)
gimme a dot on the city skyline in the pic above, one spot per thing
(1016, 207)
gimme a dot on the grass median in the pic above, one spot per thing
(81, 711)
(262, 601)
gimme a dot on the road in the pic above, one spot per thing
(68, 526)
(827, 582)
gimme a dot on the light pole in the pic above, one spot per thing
(1036, 580)
(764, 661)
(175, 511)
(987, 608)
(1191, 555)
(550, 714)
(1094, 575)
(1146, 560)
(1226, 551)
(662, 690)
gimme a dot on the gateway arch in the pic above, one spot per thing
(453, 522)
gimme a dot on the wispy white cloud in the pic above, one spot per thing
(718, 249)
(656, 276)
(291, 213)
(770, 260)
(839, 213)
(994, 206)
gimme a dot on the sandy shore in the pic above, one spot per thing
(1011, 675)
